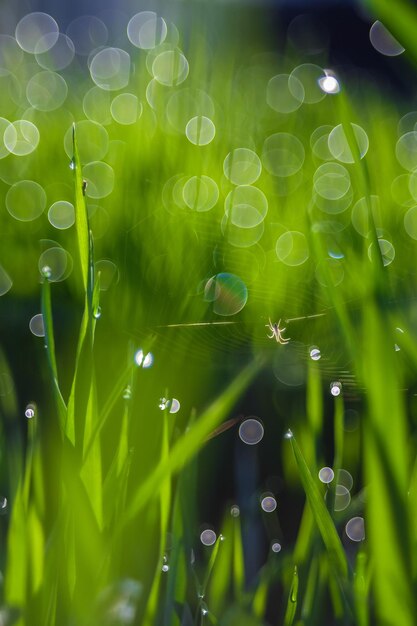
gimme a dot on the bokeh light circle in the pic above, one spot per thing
(170, 68)
(242, 166)
(200, 130)
(326, 475)
(246, 206)
(100, 179)
(36, 32)
(46, 91)
(208, 537)
(36, 325)
(268, 503)
(355, 529)
(227, 292)
(200, 193)
(292, 248)
(26, 200)
(126, 108)
(61, 214)
(283, 154)
(251, 431)
(21, 137)
(346, 149)
(110, 69)
(92, 141)
(146, 30)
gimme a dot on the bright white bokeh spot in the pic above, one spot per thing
(36, 325)
(355, 529)
(329, 83)
(61, 214)
(268, 504)
(315, 354)
(251, 431)
(335, 388)
(208, 537)
(326, 475)
(288, 434)
(175, 404)
(143, 360)
(242, 166)
(276, 547)
(200, 130)
(30, 411)
(383, 41)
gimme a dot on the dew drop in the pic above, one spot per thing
(335, 389)
(289, 434)
(315, 354)
(165, 567)
(3, 505)
(72, 164)
(143, 360)
(163, 403)
(235, 511)
(97, 313)
(46, 271)
(30, 411)
(204, 610)
(127, 393)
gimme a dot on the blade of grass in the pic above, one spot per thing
(292, 600)
(188, 445)
(321, 515)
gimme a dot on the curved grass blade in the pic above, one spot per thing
(321, 515)
(188, 445)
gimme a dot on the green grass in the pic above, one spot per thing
(106, 489)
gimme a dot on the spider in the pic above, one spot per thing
(277, 332)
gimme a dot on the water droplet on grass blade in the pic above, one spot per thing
(3, 505)
(30, 411)
(335, 388)
(97, 313)
(315, 354)
(143, 360)
(127, 393)
(289, 434)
